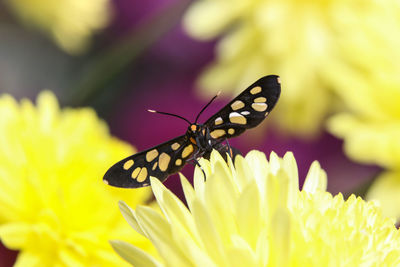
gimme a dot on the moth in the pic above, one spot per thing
(245, 111)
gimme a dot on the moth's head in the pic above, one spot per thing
(195, 130)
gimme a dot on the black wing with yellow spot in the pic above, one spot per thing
(247, 110)
(159, 161)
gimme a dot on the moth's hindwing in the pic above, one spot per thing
(247, 110)
(159, 161)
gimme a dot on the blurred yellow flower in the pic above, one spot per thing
(305, 42)
(371, 125)
(69, 22)
(253, 214)
(54, 207)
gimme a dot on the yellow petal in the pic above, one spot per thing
(258, 164)
(51, 153)
(386, 191)
(195, 23)
(194, 248)
(129, 216)
(280, 237)
(173, 209)
(211, 240)
(133, 255)
(223, 212)
(70, 258)
(290, 167)
(242, 170)
(14, 235)
(187, 190)
(316, 179)
(267, 228)
(25, 259)
(368, 141)
(159, 232)
(241, 254)
(248, 213)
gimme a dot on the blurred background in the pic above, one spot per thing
(338, 61)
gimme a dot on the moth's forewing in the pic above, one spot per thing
(247, 110)
(159, 161)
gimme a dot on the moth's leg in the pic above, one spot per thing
(196, 154)
(195, 162)
(198, 164)
(230, 152)
(228, 149)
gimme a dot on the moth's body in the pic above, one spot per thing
(245, 111)
(199, 136)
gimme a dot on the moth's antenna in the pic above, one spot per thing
(212, 99)
(169, 114)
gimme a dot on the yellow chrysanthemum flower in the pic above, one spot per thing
(371, 126)
(305, 42)
(54, 207)
(371, 131)
(69, 22)
(253, 214)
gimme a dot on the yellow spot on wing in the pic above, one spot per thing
(259, 106)
(237, 105)
(154, 166)
(217, 133)
(135, 172)
(175, 146)
(142, 175)
(128, 164)
(152, 154)
(178, 162)
(163, 161)
(231, 131)
(235, 117)
(193, 127)
(187, 151)
(255, 90)
(260, 100)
